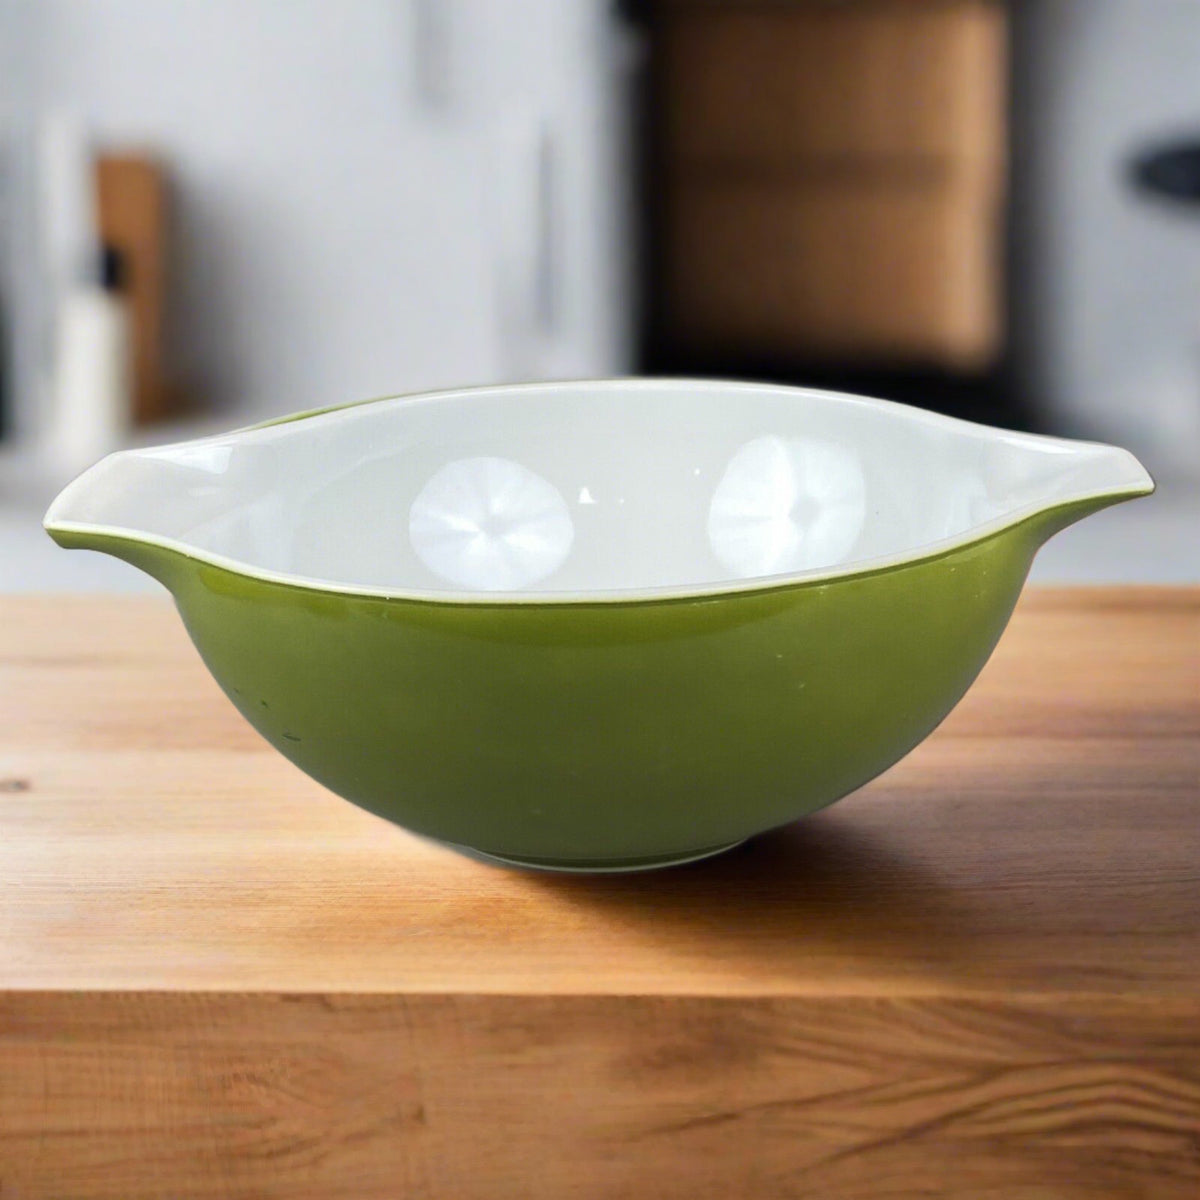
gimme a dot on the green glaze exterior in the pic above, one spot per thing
(610, 734)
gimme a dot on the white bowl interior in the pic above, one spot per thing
(619, 486)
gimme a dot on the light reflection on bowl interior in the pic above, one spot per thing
(782, 504)
(490, 523)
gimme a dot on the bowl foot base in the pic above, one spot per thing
(611, 866)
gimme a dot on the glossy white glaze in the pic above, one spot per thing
(491, 524)
(609, 489)
(787, 504)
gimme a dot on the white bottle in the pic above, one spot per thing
(92, 372)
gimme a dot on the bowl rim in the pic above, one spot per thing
(1140, 484)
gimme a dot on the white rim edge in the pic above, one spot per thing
(1142, 486)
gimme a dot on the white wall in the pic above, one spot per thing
(336, 232)
(1110, 310)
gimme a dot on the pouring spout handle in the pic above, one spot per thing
(110, 509)
(1103, 476)
(156, 561)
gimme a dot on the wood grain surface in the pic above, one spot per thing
(978, 977)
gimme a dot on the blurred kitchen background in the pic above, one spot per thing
(215, 213)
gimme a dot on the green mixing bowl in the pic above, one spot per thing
(595, 626)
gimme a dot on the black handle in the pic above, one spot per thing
(1170, 170)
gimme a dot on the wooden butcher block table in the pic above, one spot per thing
(979, 977)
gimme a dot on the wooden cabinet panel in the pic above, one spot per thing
(836, 267)
(833, 179)
(768, 84)
(132, 203)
